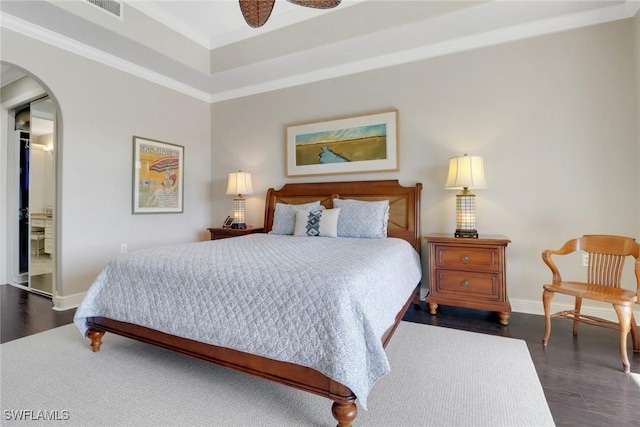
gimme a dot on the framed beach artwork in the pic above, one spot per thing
(366, 143)
(158, 170)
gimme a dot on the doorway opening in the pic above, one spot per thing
(35, 134)
(30, 144)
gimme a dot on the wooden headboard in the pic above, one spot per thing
(404, 202)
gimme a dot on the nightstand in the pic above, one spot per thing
(225, 233)
(468, 272)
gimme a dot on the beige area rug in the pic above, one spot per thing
(440, 377)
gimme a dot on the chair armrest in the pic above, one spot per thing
(637, 272)
(569, 247)
(546, 257)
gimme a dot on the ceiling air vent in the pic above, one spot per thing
(114, 7)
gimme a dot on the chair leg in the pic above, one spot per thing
(576, 315)
(634, 334)
(546, 302)
(624, 317)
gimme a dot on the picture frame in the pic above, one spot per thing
(158, 176)
(357, 144)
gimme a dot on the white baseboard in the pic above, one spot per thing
(517, 306)
(527, 306)
(535, 307)
(604, 311)
(68, 302)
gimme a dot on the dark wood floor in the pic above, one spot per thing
(24, 313)
(581, 377)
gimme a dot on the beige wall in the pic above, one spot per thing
(101, 109)
(138, 26)
(555, 118)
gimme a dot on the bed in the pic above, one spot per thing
(291, 370)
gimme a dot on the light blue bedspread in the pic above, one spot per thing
(319, 302)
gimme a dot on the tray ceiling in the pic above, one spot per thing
(205, 48)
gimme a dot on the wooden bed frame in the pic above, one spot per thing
(404, 222)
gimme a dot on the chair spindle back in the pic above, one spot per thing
(607, 255)
(605, 269)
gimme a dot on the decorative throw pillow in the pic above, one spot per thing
(362, 219)
(284, 216)
(320, 223)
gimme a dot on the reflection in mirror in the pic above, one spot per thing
(29, 141)
(41, 194)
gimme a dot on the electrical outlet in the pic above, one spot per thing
(123, 248)
(585, 259)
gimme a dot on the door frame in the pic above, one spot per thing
(9, 268)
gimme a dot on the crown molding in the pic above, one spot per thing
(624, 10)
(33, 31)
(490, 38)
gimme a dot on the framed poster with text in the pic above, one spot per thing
(158, 170)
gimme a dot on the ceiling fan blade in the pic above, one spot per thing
(318, 4)
(256, 12)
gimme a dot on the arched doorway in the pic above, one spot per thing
(30, 144)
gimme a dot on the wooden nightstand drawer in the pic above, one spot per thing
(468, 273)
(474, 258)
(485, 285)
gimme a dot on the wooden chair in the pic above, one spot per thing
(607, 255)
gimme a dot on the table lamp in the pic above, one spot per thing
(239, 184)
(466, 172)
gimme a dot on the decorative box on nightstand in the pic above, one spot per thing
(225, 233)
(467, 272)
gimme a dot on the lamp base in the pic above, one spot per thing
(239, 226)
(468, 234)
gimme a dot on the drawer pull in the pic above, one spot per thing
(465, 283)
(465, 258)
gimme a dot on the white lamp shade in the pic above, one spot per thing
(239, 183)
(466, 172)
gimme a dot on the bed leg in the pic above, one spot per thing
(344, 412)
(96, 339)
(416, 298)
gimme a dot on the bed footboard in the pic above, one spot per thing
(344, 409)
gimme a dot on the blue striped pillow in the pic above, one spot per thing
(317, 223)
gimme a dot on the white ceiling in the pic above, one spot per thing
(215, 23)
(206, 50)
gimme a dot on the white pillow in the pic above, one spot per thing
(284, 216)
(359, 218)
(322, 223)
